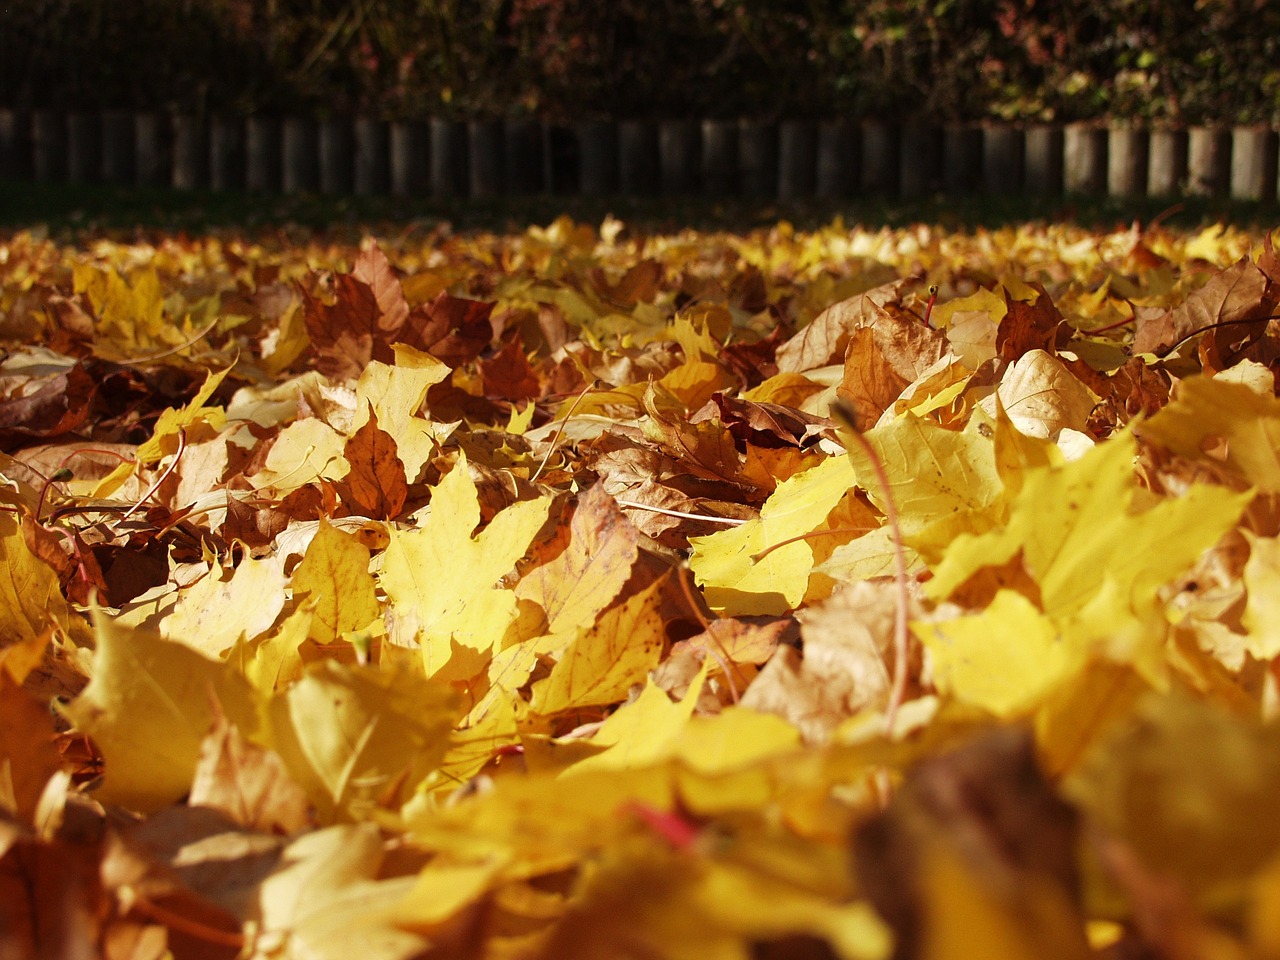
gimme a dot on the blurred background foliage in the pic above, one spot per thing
(1152, 61)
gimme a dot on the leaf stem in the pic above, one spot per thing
(902, 614)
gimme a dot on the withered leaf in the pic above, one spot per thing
(1030, 326)
(59, 405)
(451, 328)
(375, 486)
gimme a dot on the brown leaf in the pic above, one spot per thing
(372, 268)
(375, 486)
(574, 587)
(883, 359)
(50, 897)
(508, 375)
(1242, 296)
(766, 424)
(451, 328)
(638, 285)
(28, 757)
(1030, 326)
(347, 334)
(824, 341)
(845, 664)
(59, 405)
(247, 782)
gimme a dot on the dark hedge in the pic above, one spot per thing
(1150, 60)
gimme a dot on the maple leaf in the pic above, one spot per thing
(725, 565)
(605, 660)
(574, 587)
(1037, 325)
(148, 707)
(442, 578)
(44, 406)
(825, 340)
(1096, 560)
(383, 732)
(451, 328)
(374, 484)
(1242, 296)
(334, 576)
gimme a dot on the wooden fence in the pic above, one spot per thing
(791, 160)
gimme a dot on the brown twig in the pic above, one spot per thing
(901, 635)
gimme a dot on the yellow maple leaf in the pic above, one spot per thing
(359, 738)
(334, 575)
(1004, 659)
(31, 599)
(1261, 616)
(735, 583)
(607, 658)
(396, 394)
(1193, 789)
(218, 609)
(943, 482)
(148, 708)
(573, 587)
(1097, 562)
(171, 421)
(642, 732)
(442, 578)
(1205, 412)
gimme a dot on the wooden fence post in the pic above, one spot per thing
(1253, 163)
(409, 158)
(597, 158)
(84, 148)
(264, 157)
(719, 157)
(680, 155)
(485, 156)
(920, 171)
(1003, 150)
(337, 156)
(118, 158)
(450, 166)
(191, 153)
(881, 155)
(1042, 175)
(152, 154)
(838, 156)
(372, 158)
(300, 150)
(1208, 161)
(1166, 162)
(1127, 162)
(758, 158)
(797, 159)
(522, 155)
(1084, 159)
(226, 153)
(961, 159)
(639, 161)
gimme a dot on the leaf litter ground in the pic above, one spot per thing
(586, 593)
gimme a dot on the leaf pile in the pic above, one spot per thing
(518, 596)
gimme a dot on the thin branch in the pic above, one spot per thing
(636, 505)
(560, 430)
(182, 445)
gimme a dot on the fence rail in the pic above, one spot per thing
(791, 160)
